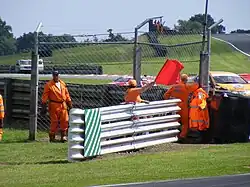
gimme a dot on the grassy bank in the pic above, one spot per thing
(117, 58)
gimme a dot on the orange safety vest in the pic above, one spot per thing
(1, 107)
(198, 111)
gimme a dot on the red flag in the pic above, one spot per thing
(169, 73)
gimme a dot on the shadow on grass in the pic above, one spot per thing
(17, 141)
(34, 163)
(49, 162)
(29, 141)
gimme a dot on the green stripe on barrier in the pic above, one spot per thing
(92, 143)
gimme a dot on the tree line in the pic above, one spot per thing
(196, 23)
(10, 45)
(242, 31)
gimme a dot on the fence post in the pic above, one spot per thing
(209, 46)
(204, 71)
(34, 88)
(8, 101)
(134, 54)
(204, 27)
(136, 72)
(138, 65)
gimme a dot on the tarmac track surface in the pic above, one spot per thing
(242, 180)
(241, 41)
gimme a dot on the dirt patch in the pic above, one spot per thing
(4, 164)
(168, 147)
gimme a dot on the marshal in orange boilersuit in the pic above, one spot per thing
(1, 116)
(182, 91)
(59, 100)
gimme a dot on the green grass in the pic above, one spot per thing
(43, 164)
(117, 58)
(223, 57)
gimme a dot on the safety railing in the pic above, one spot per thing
(99, 131)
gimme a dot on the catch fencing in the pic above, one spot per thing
(119, 128)
(115, 52)
(16, 95)
(129, 53)
(120, 54)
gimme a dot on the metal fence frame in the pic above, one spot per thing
(137, 58)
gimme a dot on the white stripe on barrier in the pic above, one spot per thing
(139, 122)
(142, 137)
(123, 129)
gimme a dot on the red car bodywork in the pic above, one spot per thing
(245, 76)
(123, 81)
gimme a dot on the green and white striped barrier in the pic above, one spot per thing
(99, 131)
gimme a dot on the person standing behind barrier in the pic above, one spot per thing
(133, 93)
(198, 112)
(1, 117)
(56, 92)
(182, 91)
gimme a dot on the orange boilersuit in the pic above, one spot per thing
(198, 114)
(1, 116)
(182, 91)
(58, 100)
(133, 95)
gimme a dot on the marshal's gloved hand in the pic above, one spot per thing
(69, 104)
(145, 101)
(43, 110)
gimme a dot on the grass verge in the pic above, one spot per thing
(77, 80)
(117, 59)
(43, 164)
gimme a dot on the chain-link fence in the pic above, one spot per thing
(88, 54)
(183, 46)
(112, 54)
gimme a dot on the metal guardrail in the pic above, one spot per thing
(83, 69)
(119, 128)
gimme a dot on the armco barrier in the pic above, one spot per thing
(119, 128)
(83, 69)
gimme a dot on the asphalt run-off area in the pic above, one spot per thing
(241, 180)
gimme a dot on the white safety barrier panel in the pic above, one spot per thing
(119, 128)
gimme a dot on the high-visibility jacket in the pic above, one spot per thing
(1, 107)
(54, 94)
(181, 91)
(198, 111)
(133, 95)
